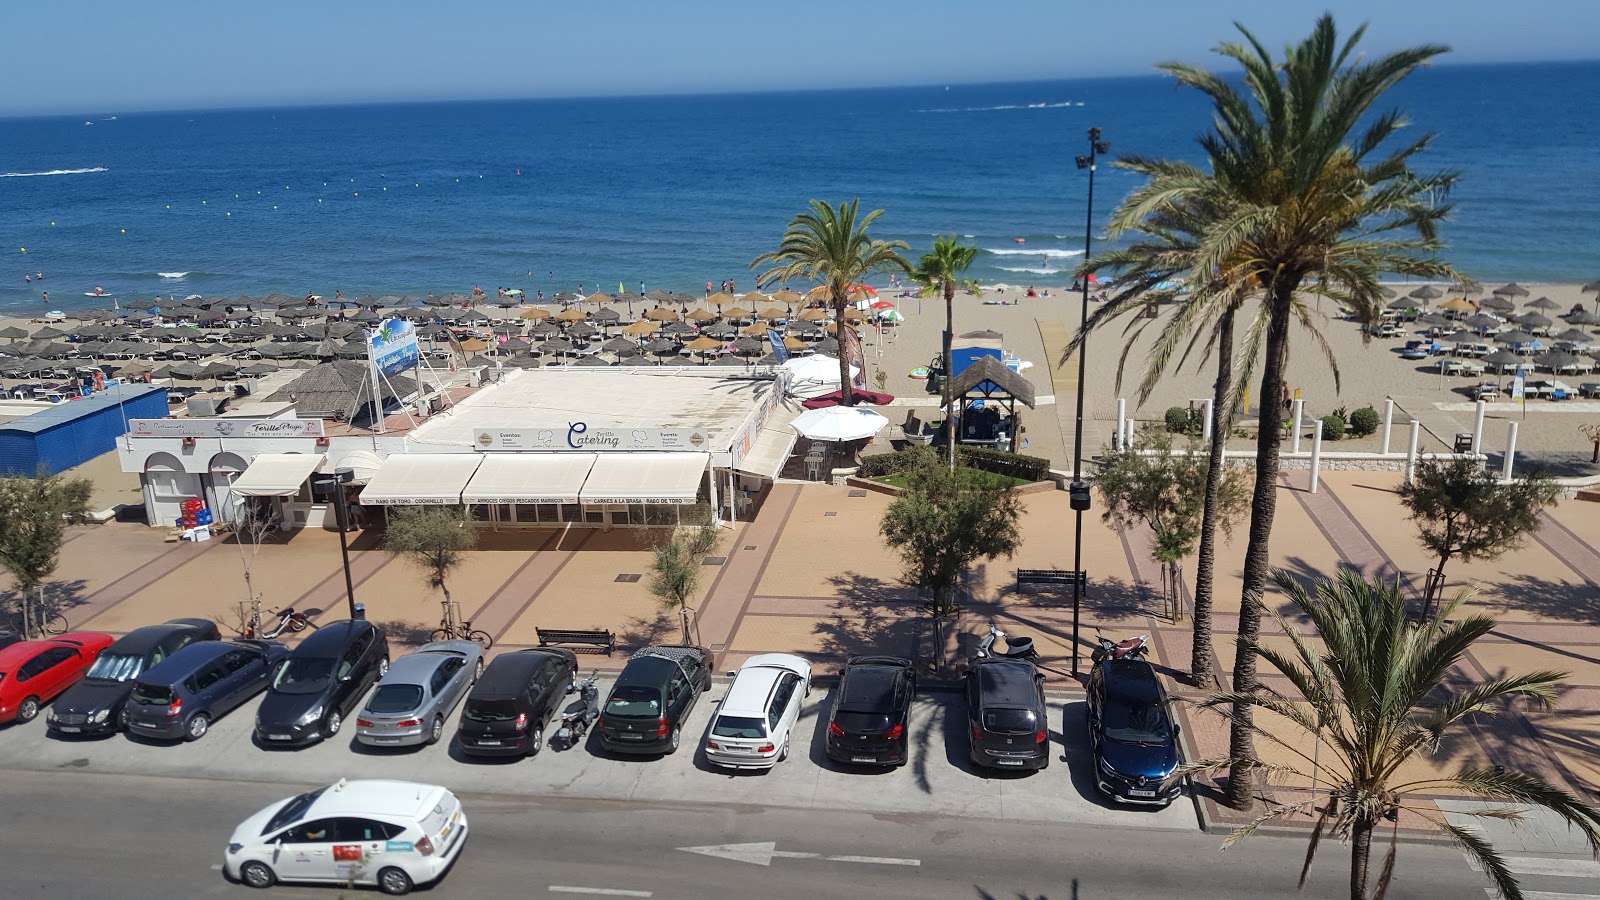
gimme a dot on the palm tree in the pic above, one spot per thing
(830, 246)
(1294, 199)
(940, 273)
(1384, 692)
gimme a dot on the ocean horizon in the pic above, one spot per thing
(672, 191)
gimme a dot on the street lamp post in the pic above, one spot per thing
(1078, 491)
(327, 485)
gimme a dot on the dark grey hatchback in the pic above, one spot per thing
(652, 697)
(324, 679)
(512, 703)
(95, 704)
(181, 696)
(1006, 718)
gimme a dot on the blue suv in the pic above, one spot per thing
(181, 696)
(1134, 738)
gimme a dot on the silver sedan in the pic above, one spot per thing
(419, 692)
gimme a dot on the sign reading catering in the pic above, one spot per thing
(226, 428)
(580, 436)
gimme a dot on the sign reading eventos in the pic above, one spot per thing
(580, 436)
(225, 428)
(393, 346)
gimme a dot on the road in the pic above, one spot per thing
(69, 833)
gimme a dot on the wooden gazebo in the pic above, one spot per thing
(988, 379)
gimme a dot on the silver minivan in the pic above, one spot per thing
(752, 726)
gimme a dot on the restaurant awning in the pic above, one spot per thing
(529, 478)
(276, 474)
(768, 453)
(421, 479)
(645, 478)
(364, 464)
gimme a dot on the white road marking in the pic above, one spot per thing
(1554, 865)
(1542, 895)
(761, 853)
(216, 867)
(608, 892)
(879, 860)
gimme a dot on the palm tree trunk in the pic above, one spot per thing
(949, 330)
(1263, 505)
(846, 389)
(1360, 853)
(1203, 656)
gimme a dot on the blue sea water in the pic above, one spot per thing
(676, 191)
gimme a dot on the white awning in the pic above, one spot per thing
(365, 463)
(528, 478)
(421, 479)
(276, 474)
(645, 478)
(768, 453)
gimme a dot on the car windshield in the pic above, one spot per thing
(632, 701)
(395, 698)
(153, 694)
(292, 811)
(304, 675)
(1137, 723)
(490, 710)
(740, 727)
(115, 667)
(1008, 721)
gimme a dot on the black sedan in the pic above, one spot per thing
(321, 683)
(871, 718)
(95, 704)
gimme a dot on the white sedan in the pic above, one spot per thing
(392, 834)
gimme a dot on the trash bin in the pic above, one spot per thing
(1464, 442)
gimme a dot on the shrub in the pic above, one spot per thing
(999, 462)
(1363, 421)
(898, 463)
(1177, 420)
(1332, 428)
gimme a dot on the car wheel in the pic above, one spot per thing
(438, 730)
(27, 709)
(330, 726)
(383, 667)
(257, 874)
(122, 719)
(394, 881)
(198, 726)
(477, 671)
(535, 741)
(783, 752)
(705, 683)
(673, 740)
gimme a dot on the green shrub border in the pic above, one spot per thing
(1016, 465)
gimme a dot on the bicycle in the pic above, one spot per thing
(453, 627)
(38, 621)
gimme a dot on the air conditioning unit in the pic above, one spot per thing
(206, 406)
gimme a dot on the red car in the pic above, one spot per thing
(32, 673)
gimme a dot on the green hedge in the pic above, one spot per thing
(1016, 465)
(1332, 428)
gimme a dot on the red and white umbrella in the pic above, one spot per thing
(882, 304)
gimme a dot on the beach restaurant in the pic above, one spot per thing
(537, 447)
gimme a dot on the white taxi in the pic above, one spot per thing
(392, 834)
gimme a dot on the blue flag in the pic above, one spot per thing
(775, 338)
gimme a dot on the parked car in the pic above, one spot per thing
(872, 714)
(32, 673)
(652, 697)
(512, 703)
(391, 834)
(180, 697)
(418, 693)
(1006, 719)
(321, 682)
(1134, 738)
(94, 705)
(752, 726)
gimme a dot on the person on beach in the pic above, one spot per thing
(46, 298)
(541, 296)
(708, 289)
(730, 286)
(27, 278)
(1288, 401)
(337, 295)
(99, 291)
(38, 276)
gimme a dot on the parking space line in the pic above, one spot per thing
(608, 892)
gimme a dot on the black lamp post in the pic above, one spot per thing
(327, 486)
(1078, 491)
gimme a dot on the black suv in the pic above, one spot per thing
(1006, 719)
(652, 697)
(514, 700)
(95, 704)
(1135, 740)
(322, 682)
(871, 716)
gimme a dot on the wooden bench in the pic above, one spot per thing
(1051, 578)
(602, 641)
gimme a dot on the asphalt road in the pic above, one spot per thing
(70, 833)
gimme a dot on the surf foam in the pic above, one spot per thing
(1032, 251)
(53, 172)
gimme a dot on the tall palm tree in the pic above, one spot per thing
(940, 273)
(830, 246)
(1384, 692)
(1300, 200)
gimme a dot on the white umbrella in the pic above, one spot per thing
(811, 376)
(838, 423)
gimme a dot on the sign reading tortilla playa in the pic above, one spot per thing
(581, 437)
(225, 428)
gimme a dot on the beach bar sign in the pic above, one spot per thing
(393, 346)
(226, 428)
(580, 436)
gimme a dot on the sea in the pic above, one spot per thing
(675, 191)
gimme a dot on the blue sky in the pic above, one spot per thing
(99, 57)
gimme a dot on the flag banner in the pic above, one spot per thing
(775, 338)
(850, 346)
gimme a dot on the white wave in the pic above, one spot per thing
(1031, 271)
(171, 274)
(53, 172)
(1003, 106)
(1032, 251)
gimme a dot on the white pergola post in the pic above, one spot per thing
(1316, 454)
(1127, 439)
(1411, 450)
(1205, 429)
(1477, 427)
(1299, 410)
(1122, 416)
(1388, 422)
(1511, 451)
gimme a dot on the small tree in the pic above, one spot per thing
(34, 515)
(251, 525)
(1150, 484)
(435, 539)
(944, 522)
(1592, 433)
(1462, 510)
(676, 567)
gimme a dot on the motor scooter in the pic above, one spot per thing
(1016, 647)
(580, 714)
(1132, 648)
